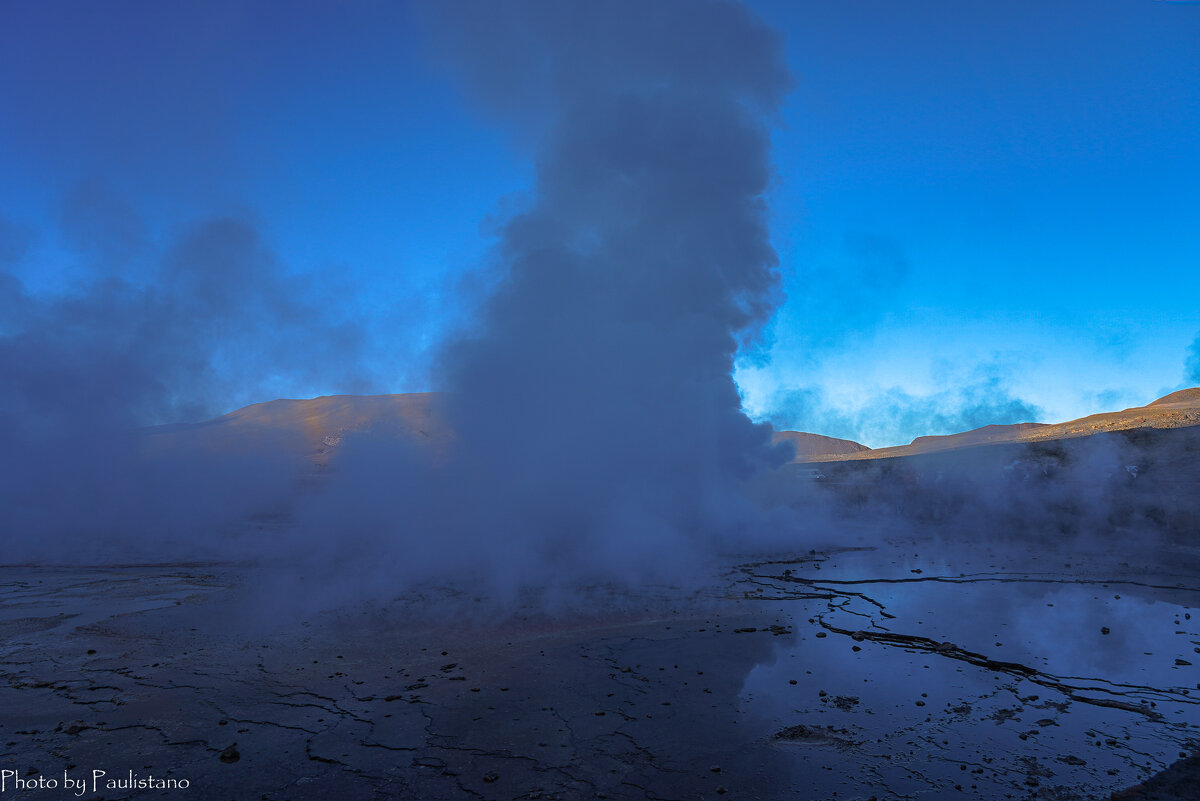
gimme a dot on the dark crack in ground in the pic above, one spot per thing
(840, 674)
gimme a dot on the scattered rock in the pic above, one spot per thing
(815, 735)
(845, 702)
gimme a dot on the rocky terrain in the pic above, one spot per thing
(317, 426)
(1178, 410)
(901, 669)
(813, 446)
(314, 427)
(1007, 616)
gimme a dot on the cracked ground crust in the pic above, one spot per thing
(345, 706)
(143, 669)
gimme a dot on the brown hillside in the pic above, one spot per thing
(812, 447)
(1182, 397)
(1177, 410)
(313, 426)
(977, 436)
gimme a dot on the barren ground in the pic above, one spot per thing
(911, 669)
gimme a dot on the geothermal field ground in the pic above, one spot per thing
(973, 651)
(659, 289)
(906, 670)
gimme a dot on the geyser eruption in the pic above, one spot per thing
(599, 430)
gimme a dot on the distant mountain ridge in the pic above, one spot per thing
(811, 445)
(1177, 410)
(316, 426)
(313, 426)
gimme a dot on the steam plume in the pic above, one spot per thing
(599, 428)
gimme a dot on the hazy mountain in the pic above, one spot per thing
(314, 426)
(811, 446)
(317, 426)
(1177, 410)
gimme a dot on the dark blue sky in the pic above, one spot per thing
(985, 212)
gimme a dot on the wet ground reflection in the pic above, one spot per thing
(907, 678)
(905, 670)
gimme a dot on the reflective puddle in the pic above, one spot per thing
(910, 679)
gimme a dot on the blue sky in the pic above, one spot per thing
(984, 212)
